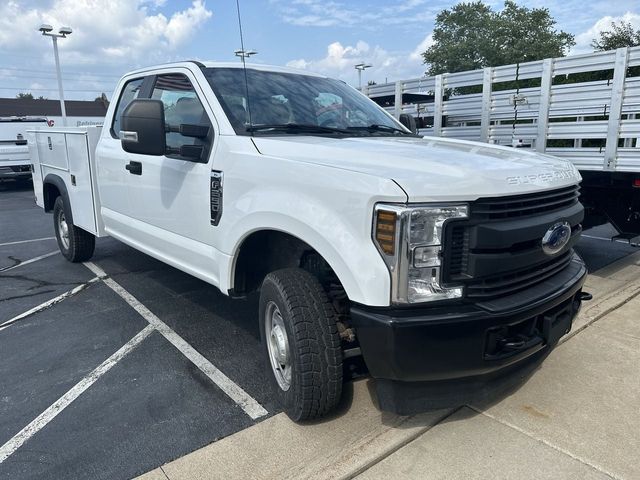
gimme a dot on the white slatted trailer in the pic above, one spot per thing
(585, 108)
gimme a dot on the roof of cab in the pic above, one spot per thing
(238, 65)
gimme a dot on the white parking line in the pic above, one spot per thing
(250, 406)
(65, 400)
(27, 262)
(48, 303)
(27, 241)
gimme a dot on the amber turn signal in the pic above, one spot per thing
(385, 232)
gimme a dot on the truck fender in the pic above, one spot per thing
(375, 290)
(49, 199)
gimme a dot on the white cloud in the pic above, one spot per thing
(340, 60)
(104, 31)
(584, 39)
(422, 47)
(182, 24)
(300, 63)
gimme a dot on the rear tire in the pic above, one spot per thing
(300, 343)
(75, 244)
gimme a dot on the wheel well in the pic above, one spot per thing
(265, 251)
(50, 193)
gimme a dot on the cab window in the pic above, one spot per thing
(181, 106)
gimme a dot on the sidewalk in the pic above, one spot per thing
(577, 417)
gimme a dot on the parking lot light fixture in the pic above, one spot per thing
(47, 31)
(361, 67)
(242, 54)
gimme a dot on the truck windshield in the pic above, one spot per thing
(295, 104)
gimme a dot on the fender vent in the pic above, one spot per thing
(216, 197)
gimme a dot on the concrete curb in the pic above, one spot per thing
(612, 287)
(361, 436)
(337, 448)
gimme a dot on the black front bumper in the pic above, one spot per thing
(459, 341)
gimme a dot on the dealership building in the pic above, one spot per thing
(79, 112)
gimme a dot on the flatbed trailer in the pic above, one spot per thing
(583, 108)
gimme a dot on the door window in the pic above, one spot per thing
(181, 106)
(130, 92)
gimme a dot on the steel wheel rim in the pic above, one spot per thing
(278, 346)
(63, 229)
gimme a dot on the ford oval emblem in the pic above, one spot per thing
(556, 238)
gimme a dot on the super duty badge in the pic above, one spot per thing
(542, 177)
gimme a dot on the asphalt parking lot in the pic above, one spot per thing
(154, 404)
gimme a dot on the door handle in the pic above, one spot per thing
(135, 168)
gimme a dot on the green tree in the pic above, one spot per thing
(27, 95)
(103, 98)
(470, 36)
(621, 35)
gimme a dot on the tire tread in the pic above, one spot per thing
(81, 243)
(317, 340)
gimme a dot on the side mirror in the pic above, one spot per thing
(409, 122)
(143, 128)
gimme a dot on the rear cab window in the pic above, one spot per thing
(181, 106)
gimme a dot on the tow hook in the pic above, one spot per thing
(579, 298)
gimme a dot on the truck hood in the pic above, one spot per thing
(431, 169)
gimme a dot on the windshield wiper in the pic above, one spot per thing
(295, 128)
(381, 128)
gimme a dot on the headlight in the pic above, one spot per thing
(410, 241)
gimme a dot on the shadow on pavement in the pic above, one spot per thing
(16, 185)
(482, 393)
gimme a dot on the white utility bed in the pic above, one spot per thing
(70, 154)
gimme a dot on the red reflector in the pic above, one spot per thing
(636, 182)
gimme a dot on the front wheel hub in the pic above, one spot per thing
(278, 346)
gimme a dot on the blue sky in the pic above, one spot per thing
(329, 36)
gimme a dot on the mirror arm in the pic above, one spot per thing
(189, 130)
(190, 152)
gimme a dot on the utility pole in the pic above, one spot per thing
(62, 33)
(361, 67)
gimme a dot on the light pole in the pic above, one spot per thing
(361, 67)
(242, 54)
(63, 32)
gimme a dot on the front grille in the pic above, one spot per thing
(525, 205)
(489, 265)
(516, 281)
(459, 248)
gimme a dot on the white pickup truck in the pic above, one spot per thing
(433, 260)
(14, 153)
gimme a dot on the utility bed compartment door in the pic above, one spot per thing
(80, 191)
